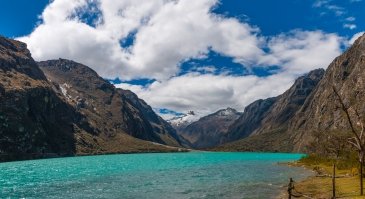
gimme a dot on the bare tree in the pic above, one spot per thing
(336, 145)
(357, 140)
(330, 144)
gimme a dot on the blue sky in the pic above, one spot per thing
(272, 17)
(229, 53)
(19, 20)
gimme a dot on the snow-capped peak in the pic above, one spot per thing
(183, 120)
(227, 112)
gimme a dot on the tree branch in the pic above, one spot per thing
(347, 115)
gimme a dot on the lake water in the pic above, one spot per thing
(153, 176)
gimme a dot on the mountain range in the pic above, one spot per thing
(264, 124)
(287, 122)
(61, 107)
(208, 130)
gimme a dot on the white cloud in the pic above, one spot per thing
(328, 6)
(350, 19)
(356, 36)
(296, 52)
(349, 26)
(301, 51)
(208, 93)
(169, 32)
(320, 3)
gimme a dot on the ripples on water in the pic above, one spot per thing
(153, 176)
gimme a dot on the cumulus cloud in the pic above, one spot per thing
(301, 51)
(297, 52)
(166, 34)
(163, 34)
(207, 93)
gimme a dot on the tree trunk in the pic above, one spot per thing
(361, 175)
(334, 182)
(290, 187)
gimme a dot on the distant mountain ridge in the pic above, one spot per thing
(249, 121)
(181, 121)
(208, 131)
(261, 127)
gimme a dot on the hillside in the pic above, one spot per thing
(322, 110)
(108, 108)
(40, 118)
(309, 105)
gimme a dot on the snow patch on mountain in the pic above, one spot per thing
(183, 120)
(227, 112)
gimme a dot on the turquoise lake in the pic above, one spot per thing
(153, 176)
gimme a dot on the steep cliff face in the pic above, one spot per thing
(208, 131)
(159, 126)
(287, 104)
(40, 118)
(265, 123)
(250, 120)
(322, 110)
(312, 105)
(108, 109)
(33, 119)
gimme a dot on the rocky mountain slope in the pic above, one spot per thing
(264, 123)
(208, 131)
(160, 127)
(292, 119)
(40, 118)
(249, 121)
(322, 111)
(108, 108)
(33, 119)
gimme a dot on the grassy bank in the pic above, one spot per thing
(320, 185)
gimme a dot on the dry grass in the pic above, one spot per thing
(347, 185)
(120, 143)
